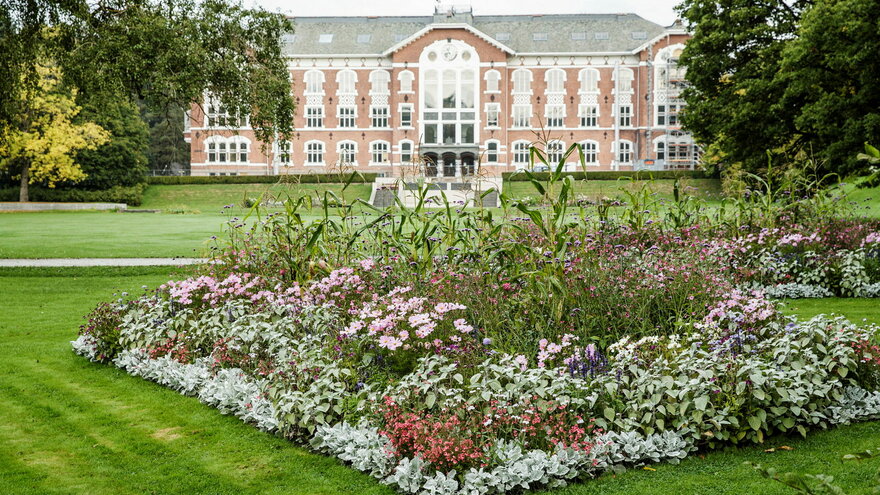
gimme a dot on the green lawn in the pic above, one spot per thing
(70, 426)
(856, 309)
(205, 198)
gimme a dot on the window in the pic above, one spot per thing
(406, 81)
(314, 80)
(554, 152)
(406, 112)
(288, 38)
(314, 153)
(218, 116)
(325, 38)
(346, 116)
(378, 152)
(522, 115)
(591, 152)
(589, 79)
(232, 150)
(624, 78)
(589, 115)
(521, 154)
(624, 152)
(492, 78)
(379, 116)
(283, 155)
(555, 116)
(625, 116)
(602, 36)
(502, 36)
(579, 36)
(364, 38)
(639, 35)
(379, 80)
(555, 79)
(315, 117)
(399, 37)
(492, 152)
(667, 114)
(406, 151)
(660, 150)
(493, 111)
(522, 81)
(449, 114)
(539, 36)
(346, 81)
(347, 151)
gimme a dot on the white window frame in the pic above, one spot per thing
(554, 116)
(345, 119)
(315, 117)
(518, 88)
(522, 116)
(490, 151)
(406, 78)
(591, 152)
(406, 109)
(493, 81)
(340, 153)
(554, 151)
(588, 116)
(617, 150)
(625, 118)
(555, 76)
(313, 80)
(343, 76)
(490, 109)
(380, 117)
(315, 149)
(406, 143)
(380, 82)
(521, 153)
(374, 145)
(283, 152)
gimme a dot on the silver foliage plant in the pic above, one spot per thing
(794, 377)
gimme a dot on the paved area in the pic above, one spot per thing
(54, 262)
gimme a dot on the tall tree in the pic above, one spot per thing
(121, 161)
(169, 153)
(735, 100)
(831, 74)
(164, 52)
(39, 145)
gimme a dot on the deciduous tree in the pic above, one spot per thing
(40, 143)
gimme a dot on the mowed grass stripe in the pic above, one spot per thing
(70, 426)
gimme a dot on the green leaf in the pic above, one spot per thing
(755, 423)
(609, 413)
(701, 402)
(430, 399)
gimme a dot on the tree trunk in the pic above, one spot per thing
(25, 179)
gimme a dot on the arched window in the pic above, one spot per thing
(589, 79)
(493, 77)
(379, 80)
(228, 150)
(522, 81)
(406, 152)
(554, 152)
(379, 152)
(314, 153)
(491, 151)
(346, 80)
(238, 149)
(624, 152)
(282, 152)
(406, 81)
(624, 79)
(555, 79)
(347, 151)
(521, 154)
(314, 80)
(591, 152)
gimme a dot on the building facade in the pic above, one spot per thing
(457, 93)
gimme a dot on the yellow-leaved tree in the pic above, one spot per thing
(40, 144)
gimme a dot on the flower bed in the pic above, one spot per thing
(410, 391)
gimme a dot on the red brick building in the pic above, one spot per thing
(459, 92)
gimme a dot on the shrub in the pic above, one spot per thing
(339, 178)
(132, 196)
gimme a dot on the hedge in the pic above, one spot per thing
(132, 196)
(355, 177)
(611, 175)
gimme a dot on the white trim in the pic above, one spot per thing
(467, 27)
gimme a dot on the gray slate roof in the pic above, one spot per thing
(624, 32)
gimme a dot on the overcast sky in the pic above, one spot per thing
(659, 11)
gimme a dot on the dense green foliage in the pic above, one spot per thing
(799, 78)
(168, 153)
(164, 52)
(130, 195)
(122, 161)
